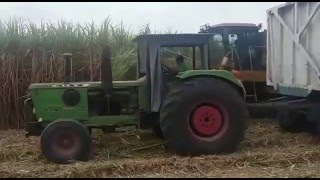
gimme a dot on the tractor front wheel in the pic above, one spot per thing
(66, 140)
(203, 116)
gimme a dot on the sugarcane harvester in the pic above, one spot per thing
(244, 50)
(282, 63)
(198, 111)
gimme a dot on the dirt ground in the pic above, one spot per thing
(266, 152)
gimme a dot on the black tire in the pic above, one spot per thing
(181, 100)
(294, 121)
(156, 129)
(59, 130)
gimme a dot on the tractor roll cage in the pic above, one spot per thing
(149, 48)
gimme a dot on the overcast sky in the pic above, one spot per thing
(182, 16)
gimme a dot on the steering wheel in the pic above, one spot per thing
(165, 69)
(168, 72)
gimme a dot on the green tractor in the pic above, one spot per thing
(198, 111)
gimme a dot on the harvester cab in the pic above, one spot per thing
(244, 51)
(249, 43)
(198, 111)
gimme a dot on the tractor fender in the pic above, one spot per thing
(217, 74)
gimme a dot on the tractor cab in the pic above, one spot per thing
(156, 59)
(163, 48)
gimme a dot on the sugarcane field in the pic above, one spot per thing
(147, 90)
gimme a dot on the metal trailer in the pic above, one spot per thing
(293, 63)
(293, 56)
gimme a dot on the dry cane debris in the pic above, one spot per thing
(266, 152)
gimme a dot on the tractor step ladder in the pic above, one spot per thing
(254, 94)
(251, 65)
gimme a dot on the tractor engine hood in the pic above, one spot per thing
(97, 84)
(64, 85)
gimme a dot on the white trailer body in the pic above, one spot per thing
(293, 48)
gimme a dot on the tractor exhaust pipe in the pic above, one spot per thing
(106, 70)
(67, 67)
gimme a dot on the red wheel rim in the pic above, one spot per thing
(206, 121)
(66, 143)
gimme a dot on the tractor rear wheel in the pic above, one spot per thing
(66, 140)
(203, 116)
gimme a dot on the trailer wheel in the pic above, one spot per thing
(203, 116)
(66, 140)
(291, 121)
